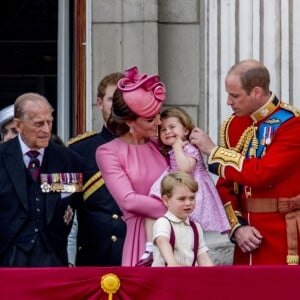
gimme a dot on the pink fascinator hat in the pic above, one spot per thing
(142, 93)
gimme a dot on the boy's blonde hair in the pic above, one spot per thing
(172, 179)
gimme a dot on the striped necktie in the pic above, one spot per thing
(34, 163)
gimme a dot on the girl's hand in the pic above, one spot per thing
(179, 143)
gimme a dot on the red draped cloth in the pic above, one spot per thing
(224, 282)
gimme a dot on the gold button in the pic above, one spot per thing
(115, 216)
(113, 238)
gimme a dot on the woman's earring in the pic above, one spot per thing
(131, 130)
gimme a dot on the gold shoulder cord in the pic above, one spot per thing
(223, 131)
(81, 137)
(242, 146)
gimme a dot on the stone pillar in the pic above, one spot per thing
(124, 34)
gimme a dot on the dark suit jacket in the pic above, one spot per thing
(13, 194)
(101, 229)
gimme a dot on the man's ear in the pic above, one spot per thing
(257, 91)
(18, 124)
(100, 102)
(165, 200)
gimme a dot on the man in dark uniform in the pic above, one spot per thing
(101, 230)
(38, 185)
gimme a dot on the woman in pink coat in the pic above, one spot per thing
(132, 162)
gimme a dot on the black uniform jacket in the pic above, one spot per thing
(101, 230)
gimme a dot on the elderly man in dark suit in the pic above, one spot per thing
(39, 181)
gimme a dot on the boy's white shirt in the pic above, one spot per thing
(184, 239)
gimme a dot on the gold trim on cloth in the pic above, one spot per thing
(290, 208)
(221, 170)
(92, 185)
(272, 104)
(226, 157)
(224, 136)
(292, 220)
(232, 218)
(291, 108)
(81, 137)
(292, 259)
(248, 136)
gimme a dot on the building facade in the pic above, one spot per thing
(192, 44)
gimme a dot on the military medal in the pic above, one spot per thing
(68, 215)
(61, 182)
(263, 140)
(45, 187)
(269, 135)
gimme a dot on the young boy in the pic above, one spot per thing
(178, 191)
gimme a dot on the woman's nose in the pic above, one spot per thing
(157, 120)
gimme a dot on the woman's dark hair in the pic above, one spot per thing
(120, 113)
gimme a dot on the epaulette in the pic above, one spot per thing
(81, 137)
(291, 108)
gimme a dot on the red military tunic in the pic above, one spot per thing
(273, 171)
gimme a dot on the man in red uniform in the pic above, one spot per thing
(259, 168)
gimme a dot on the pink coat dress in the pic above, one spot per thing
(129, 171)
(209, 210)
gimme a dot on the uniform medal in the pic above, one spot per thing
(61, 182)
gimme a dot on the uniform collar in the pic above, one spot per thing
(266, 110)
(175, 219)
(106, 134)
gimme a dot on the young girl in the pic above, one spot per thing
(176, 126)
(187, 245)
